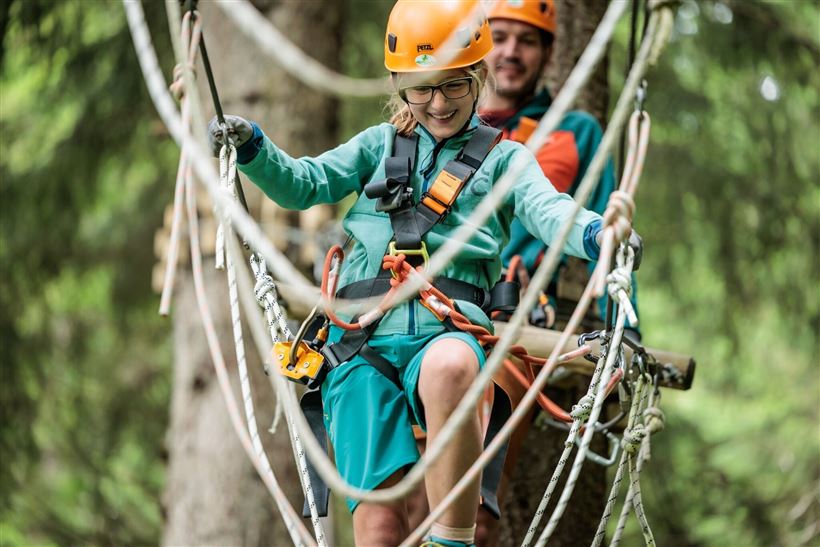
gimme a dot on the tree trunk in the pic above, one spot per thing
(577, 20)
(213, 494)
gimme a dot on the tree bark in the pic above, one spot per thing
(576, 20)
(213, 494)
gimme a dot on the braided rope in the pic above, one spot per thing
(299, 535)
(227, 164)
(653, 422)
(634, 410)
(190, 35)
(580, 413)
(613, 358)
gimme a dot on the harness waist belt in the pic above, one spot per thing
(503, 296)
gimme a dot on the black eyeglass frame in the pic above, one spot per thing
(437, 87)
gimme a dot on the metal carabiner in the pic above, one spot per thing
(614, 449)
(586, 337)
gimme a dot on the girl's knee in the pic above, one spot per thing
(448, 369)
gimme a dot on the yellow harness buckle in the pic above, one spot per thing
(422, 252)
(307, 368)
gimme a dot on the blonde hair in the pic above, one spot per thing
(401, 116)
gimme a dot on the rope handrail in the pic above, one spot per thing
(295, 61)
(201, 160)
(311, 72)
(224, 260)
(186, 46)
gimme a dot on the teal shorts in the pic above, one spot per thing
(368, 418)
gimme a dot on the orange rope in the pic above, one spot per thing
(443, 307)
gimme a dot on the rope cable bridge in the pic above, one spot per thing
(187, 128)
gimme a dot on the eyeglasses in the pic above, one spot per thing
(423, 94)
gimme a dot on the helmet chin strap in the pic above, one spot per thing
(467, 123)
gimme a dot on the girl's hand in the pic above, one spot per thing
(239, 132)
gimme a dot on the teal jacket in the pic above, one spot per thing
(564, 159)
(304, 182)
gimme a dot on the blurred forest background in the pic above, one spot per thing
(729, 208)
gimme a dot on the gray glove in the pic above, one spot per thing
(239, 130)
(636, 243)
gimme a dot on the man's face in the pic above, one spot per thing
(518, 57)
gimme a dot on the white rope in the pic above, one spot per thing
(624, 261)
(227, 164)
(200, 159)
(653, 422)
(186, 48)
(311, 72)
(544, 271)
(266, 296)
(637, 400)
(296, 529)
(295, 61)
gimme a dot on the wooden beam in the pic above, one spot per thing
(680, 369)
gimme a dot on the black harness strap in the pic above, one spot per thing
(311, 403)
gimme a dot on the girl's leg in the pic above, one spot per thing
(448, 368)
(381, 525)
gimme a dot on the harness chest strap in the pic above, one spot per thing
(410, 224)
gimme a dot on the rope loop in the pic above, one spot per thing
(264, 286)
(177, 86)
(619, 213)
(654, 419)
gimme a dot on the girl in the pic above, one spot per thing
(417, 179)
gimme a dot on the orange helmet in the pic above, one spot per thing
(418, 32)
(538, 13)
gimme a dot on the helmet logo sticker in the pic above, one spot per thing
(425, 60)
(424, 47)
(515, 3)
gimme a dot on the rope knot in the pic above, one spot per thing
(618, 280)
(177, 87)
(619, 213)
(396, 265)
(654, 419)
(264, 286)
(633, 438)
(582, 410)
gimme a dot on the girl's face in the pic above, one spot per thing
(443, 103)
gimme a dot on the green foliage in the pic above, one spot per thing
(729, 209)
(84, 179)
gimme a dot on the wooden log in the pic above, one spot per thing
(679, 369)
